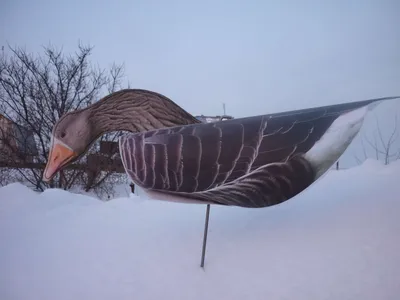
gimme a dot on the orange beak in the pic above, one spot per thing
(60, 155)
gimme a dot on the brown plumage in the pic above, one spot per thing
(249, 162)
(132, 110)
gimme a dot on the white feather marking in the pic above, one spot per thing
(336, 139)
(290, 128)
(122, 142)
(272, 133)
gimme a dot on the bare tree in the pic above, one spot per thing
(35, 91)
(384, 149)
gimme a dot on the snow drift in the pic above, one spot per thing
(337, 240)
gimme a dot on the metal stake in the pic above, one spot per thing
(205, 236)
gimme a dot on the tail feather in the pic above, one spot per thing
(339, 136)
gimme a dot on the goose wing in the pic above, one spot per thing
(224, 162)
(201, 157)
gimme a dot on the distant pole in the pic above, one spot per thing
(223, 106)
(205, 236)
(337, 165)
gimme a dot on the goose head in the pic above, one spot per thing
(71, 137)
(132, 110)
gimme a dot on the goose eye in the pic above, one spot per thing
(62, 134)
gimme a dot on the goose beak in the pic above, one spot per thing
(60, 155)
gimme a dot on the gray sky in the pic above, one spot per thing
(256, 56)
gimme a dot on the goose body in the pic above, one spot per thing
(248, 162)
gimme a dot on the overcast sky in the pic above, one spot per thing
(256, 56)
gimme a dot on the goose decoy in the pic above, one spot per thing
(249, 162)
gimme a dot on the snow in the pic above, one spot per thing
(337, 240)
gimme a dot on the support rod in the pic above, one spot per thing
(205, 236)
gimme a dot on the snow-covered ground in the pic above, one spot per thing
(337, 240)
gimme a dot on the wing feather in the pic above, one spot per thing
(196, 158)
(150, 162)
(191, 156)
(160, 165)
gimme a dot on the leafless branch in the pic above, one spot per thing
(35, 91)
(384, 149)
